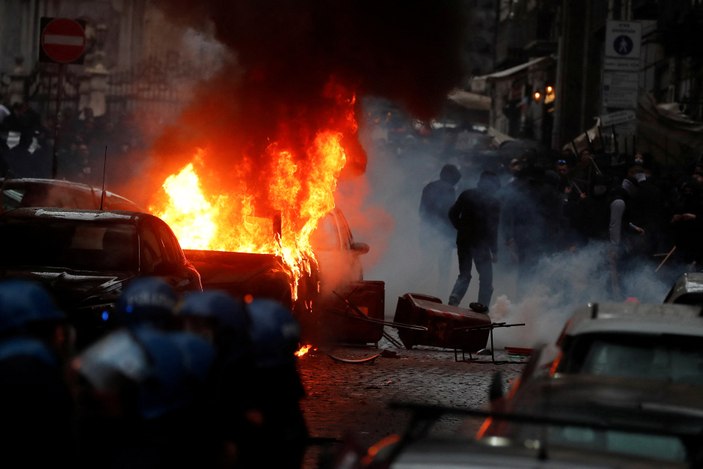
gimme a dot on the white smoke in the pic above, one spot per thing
(563, 282)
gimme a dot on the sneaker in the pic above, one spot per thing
(478, 307)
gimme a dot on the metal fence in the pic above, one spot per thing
(152, 87)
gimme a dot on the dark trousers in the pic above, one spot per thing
(480, 256)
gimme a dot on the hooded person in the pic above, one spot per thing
(436, 231)
(476, 215)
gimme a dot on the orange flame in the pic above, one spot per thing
(297, 186)
(303, 350)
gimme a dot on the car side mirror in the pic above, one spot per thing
(361, 248)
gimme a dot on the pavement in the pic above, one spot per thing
(348, 392)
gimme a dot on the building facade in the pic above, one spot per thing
(667, 79)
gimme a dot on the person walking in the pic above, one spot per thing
(475, 215)
(436, 232)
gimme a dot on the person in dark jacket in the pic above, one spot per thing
(436, 232)
(475, 215)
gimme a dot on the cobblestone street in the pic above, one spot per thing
(351, 399)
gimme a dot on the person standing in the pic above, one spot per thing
(475, 215)
(436, 231)
(626, 237)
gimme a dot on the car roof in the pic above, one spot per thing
(74, 214)
(114, 199)
(635, 318)
(688, 289)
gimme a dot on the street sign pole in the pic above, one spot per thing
(57, 121)
(62, 42)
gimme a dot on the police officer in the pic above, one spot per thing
(277, 433)
(223, 321)
(142, 387)
(36, 406)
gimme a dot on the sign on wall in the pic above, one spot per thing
(621, 64)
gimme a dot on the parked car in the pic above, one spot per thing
(39, 192)
(335, 277)
(662, 342)
(656, 342)
(688, 290)
(580, 430)
(601, 414)
(85, 258)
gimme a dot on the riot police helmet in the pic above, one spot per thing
(274, 332)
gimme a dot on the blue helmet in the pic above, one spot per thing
(275, 333)
(167, 368)
(146, 299)
(218, 305)
(23, 303)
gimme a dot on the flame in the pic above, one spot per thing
(303, 350)
(273, 201)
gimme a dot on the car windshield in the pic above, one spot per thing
(661, 447)
(68, 244)
(677, 359)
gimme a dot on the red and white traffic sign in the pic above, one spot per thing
(63, 40)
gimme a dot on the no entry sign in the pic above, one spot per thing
(62, 41)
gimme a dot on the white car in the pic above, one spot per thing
(651, 341)
(688, 289)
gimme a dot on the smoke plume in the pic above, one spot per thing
(293, 61)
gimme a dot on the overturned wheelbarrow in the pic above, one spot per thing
(446, 326)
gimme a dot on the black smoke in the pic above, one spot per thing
(284, 56)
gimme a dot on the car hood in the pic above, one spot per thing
(76, 290)
(234, 265)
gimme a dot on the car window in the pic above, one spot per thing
(659, 447)
(344, 231)
(151, 249)
(668, 358)
(171, 248)
(119, 247)
(332, 233)
(325, 237)
(67, 244)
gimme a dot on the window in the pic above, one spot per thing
(661, 357)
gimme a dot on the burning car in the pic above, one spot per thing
(85, 257)
(317, 294)
(265, 242)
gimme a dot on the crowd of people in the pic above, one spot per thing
(197, 380)
(32, 145)
(638, 214)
